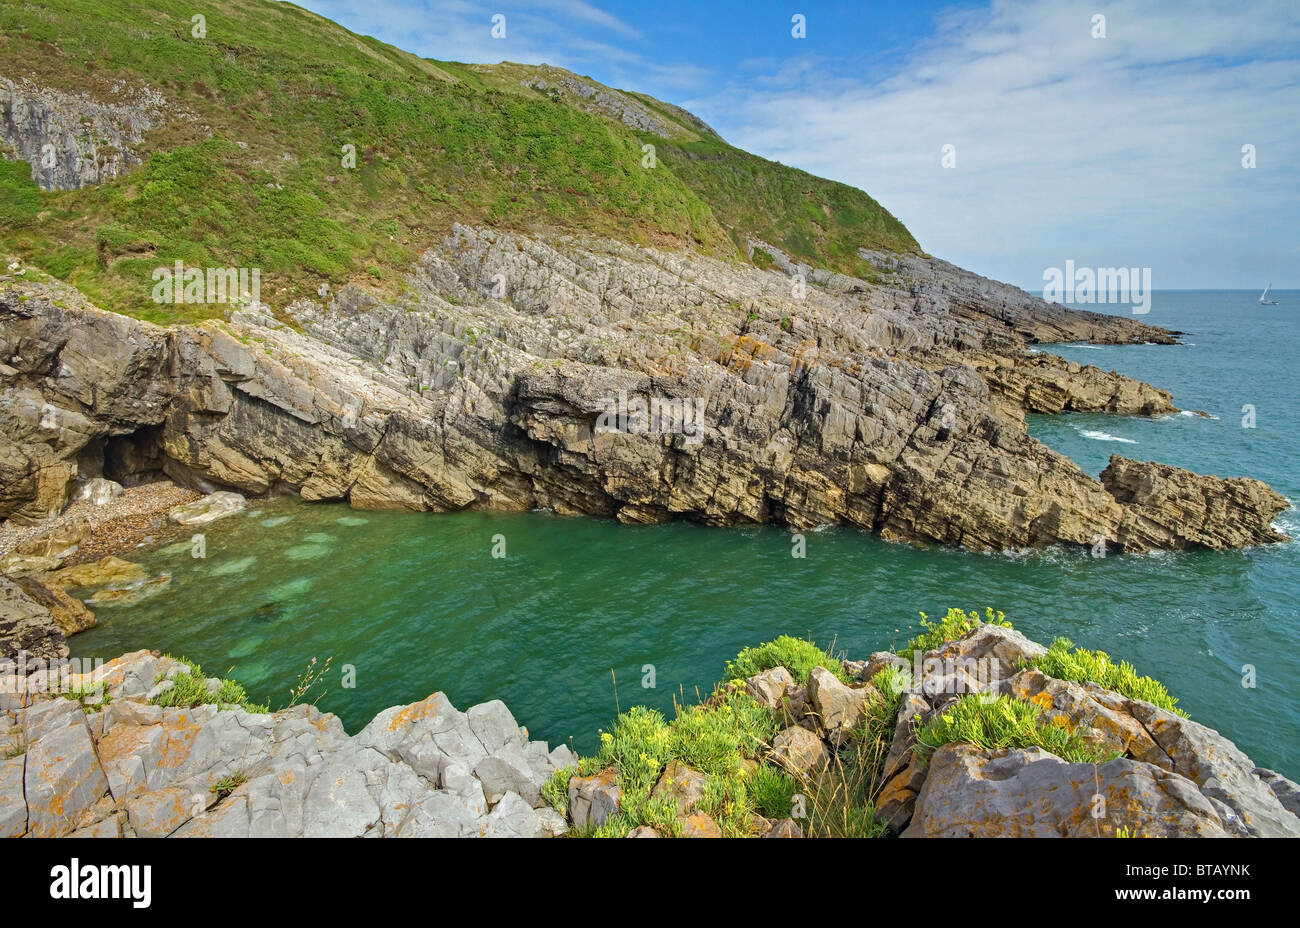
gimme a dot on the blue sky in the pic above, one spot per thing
(1117, 151)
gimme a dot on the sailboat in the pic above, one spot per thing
(1263, 297)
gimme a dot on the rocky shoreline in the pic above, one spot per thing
(503, 378)
(896, 405)
(111, 752)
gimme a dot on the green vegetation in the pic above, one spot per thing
(190, 689)
(1083, 666)
(722, 738)
(556, 790)
(728, 736)
(821, 221)
(773, 791)
(247, 168)
(951, 627)
(93, 695)
(794, 654)
(1005, 722)
(227, 785)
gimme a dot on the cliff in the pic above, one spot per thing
(503, 379)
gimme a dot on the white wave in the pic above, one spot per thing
(1096, 435)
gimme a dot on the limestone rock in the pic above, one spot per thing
(800, 751)
(212, 507)
(103, 572)
(906, 419)
(593, 799)
(970, 792)
(98, 491)
(784, 828)
(513, 818)
(62, 780)
(1219, 769)
(1286, 791)
(838, 707)
(684, 785)
(70, 615)
(768, 687)
(880, 660)
(13, 804)
(26, 626)
(700, 825)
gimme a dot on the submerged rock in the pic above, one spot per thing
(132, 593)
(105, 571)
(212, 507)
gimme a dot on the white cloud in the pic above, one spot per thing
(1116, 151)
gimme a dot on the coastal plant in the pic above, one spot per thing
(952, 626)
(92, 695)
(1079, 665)
(1005, 722)
(556, 790)
(772, 791)
(307, 680)
(796, 655)
(841, 799)
(190, 688)
(722, 738)
(227, 785)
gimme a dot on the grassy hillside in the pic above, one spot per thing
(246, 168)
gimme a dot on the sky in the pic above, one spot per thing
(1115, 150)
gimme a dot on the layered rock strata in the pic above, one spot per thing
(511, 376)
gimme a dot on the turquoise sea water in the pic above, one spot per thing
(416, 602)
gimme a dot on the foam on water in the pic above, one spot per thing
(1097, 435)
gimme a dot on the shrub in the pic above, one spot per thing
(720, 738)
(190, 689)
(772, 791)
(952, 626)
(794, 654)
(1004, 722)
(556, 790)
(1081, 666)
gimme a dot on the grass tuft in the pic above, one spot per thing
(1083, 666)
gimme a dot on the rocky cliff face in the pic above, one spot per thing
(115, 764)
(71, 140)
(821, 399)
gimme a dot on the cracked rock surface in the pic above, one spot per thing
(117, 766)
(897, 406)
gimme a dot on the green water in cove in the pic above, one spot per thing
(416, 602)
